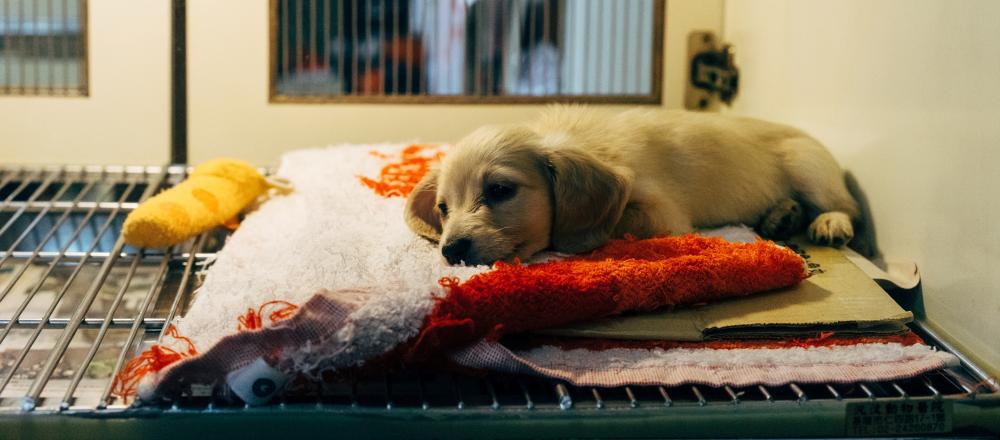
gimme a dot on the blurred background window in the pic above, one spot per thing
(466, 50)
(43, 47)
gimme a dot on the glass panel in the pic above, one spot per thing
(42, 47)
(558, 49)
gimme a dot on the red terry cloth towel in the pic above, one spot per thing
(623, 276)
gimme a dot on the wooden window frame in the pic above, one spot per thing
(655, 97)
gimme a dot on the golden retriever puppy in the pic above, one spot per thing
(574, 178)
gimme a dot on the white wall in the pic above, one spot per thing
(126, 118)
(231, 116)
(907, 95)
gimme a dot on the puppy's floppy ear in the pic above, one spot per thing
(420, 214)
(588, 198)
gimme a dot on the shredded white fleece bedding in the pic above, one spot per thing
(332, 233)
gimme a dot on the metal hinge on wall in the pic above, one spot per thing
(714, 76)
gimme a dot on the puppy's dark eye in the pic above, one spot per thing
(499, 192)
(443, 208)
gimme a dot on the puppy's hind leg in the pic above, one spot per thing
(782, 221)
(819, 183)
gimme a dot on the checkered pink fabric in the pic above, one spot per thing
(316, 322)
(708, 366)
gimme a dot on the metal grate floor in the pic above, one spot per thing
(76, 303)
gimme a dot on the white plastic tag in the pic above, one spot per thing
(256, 383)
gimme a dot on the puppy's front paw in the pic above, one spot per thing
(782, 221)
(831, 229)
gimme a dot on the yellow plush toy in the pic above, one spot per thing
(213, 194)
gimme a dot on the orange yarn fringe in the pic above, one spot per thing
(254, 319)
(154, 359)
(158, 357)
(397, 179)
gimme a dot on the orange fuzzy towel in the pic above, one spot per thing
(624, 275)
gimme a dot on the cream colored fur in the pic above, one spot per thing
(580, 178)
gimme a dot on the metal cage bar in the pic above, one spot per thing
(46, 213)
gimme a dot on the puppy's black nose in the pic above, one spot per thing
(455, 251)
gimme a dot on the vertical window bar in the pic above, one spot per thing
(477, 43)
(444, 51)
(397, 51)
(594, 68)
(489, 20)
(634, 45)
(461, 75)
(544, 45)
(21, 44)
(410, 65)
(324, 46)
(66, 56)
(380, 47)
(285, 56)
(530, 47)
(384, 46)
(65, 46)
(607, 50)
(557, 21)
(621, 17)
(647, 66)
(33, 49)
(486, 47)
(314, 61)
(368, 39)
(490, 31)
(590, 75)
(51, 44)
(496, 48)
(505, 25)
(81, 15)
(437, 50)
(5, 44)
(617, 56)
(636, 37)
(25, 48)
(378, 58)
(341, 44)
(299, 42)
(426, 30)
(576, 47)
(448, 49)
(497, 53)
(354, 46)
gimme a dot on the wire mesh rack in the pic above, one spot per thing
(76, 303)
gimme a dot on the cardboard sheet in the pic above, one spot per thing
(837, 297)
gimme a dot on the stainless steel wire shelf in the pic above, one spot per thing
(76, 303)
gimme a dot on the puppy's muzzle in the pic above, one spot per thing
(456, 251)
